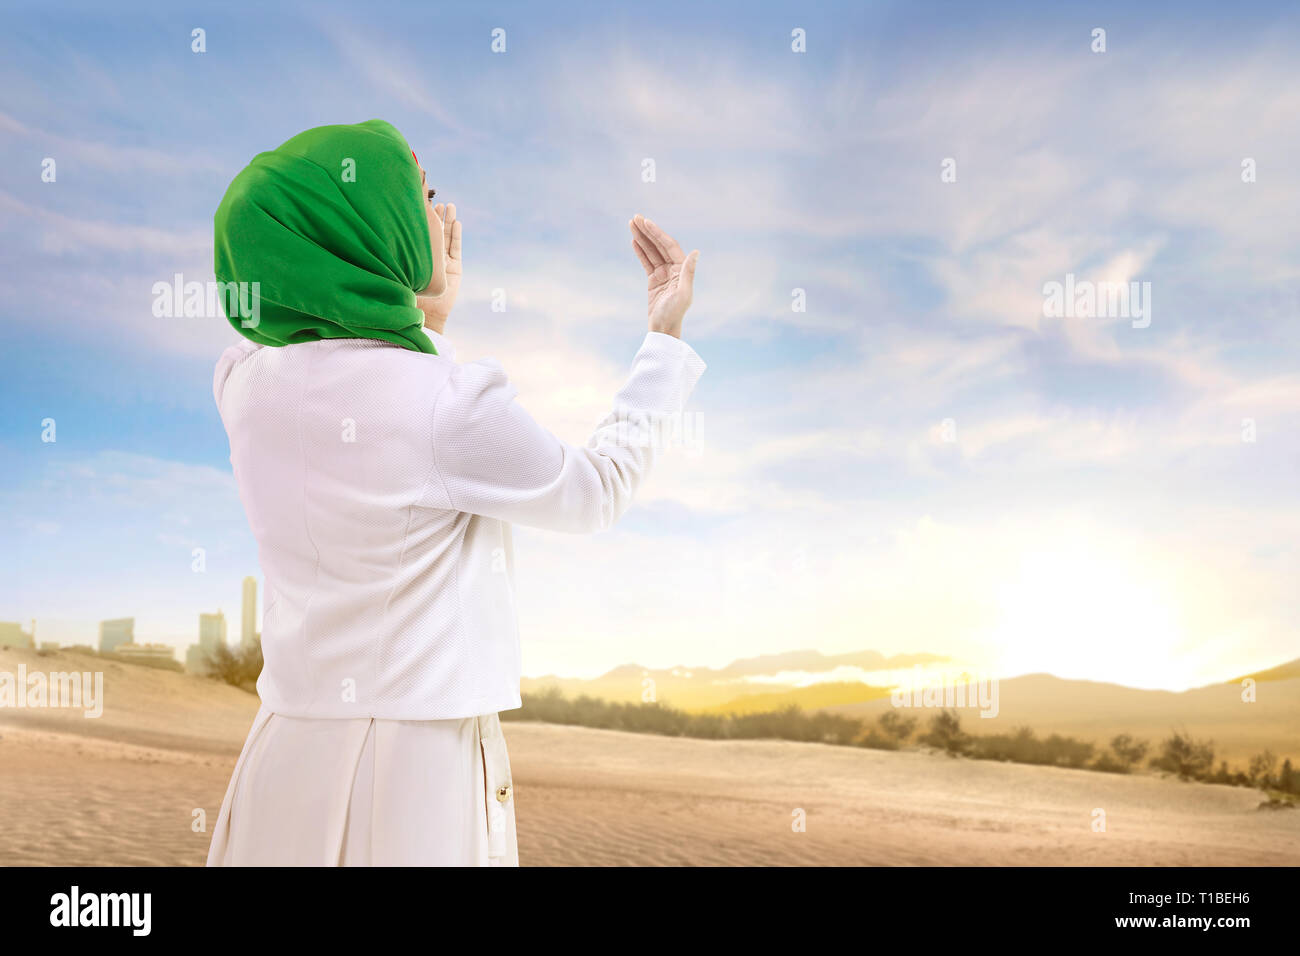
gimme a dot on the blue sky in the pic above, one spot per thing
(1098, 513)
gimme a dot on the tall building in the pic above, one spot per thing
(195, 661)
(248, 619)
(212, 634)
(13, 635)
(152, 655)
(117, 631)
(212, 631)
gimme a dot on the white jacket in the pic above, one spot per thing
(379, 483)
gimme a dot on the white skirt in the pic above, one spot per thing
(368, 792)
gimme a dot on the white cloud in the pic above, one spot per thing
(71, 150)
(58, 233)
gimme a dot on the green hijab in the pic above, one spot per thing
(332, 228)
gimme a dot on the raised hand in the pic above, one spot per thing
(444, 232)
(671, 275)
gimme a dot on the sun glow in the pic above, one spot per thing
(1088, 609)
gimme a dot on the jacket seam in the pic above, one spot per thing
(433, 442)
(458, 619)
(306, 523)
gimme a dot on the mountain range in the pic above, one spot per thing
(1090, 710)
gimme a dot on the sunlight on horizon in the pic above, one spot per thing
(1083, 609)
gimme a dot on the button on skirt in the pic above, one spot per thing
(368, 792)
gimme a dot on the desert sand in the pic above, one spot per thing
(123, 789)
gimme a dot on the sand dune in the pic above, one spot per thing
(593, 796)
(122, 790)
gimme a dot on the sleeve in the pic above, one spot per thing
(495, 460)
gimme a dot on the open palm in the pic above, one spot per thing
(440, 305)
(669, 272)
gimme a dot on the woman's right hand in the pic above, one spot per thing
(671, 275)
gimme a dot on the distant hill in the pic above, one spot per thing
(816, 697)
(149, 706)
(1098, 711)
(736, 686)
(1287, 671)
(1086, 709)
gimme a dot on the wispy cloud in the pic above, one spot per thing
(56, 233)
(118, 158)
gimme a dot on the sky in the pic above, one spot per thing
(921, 459)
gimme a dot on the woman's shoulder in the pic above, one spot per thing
(226, 363)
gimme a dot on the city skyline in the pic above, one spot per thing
(148, 629)
(117, 636)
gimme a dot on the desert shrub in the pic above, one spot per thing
(239, 667)
(791, 723)
(784, 724)
(553, 707)
(1106, 763)
(945, 734)
(1180, 754)
(1124, 754)
(1261, 770)
(708, 726)
(1288, 781)
(1021, 746)
(1127, 750)
(873, 739)
(836, 728)
(1227, 775)
(896, 727)
(1068, 751)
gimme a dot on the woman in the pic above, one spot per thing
(380, 479)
